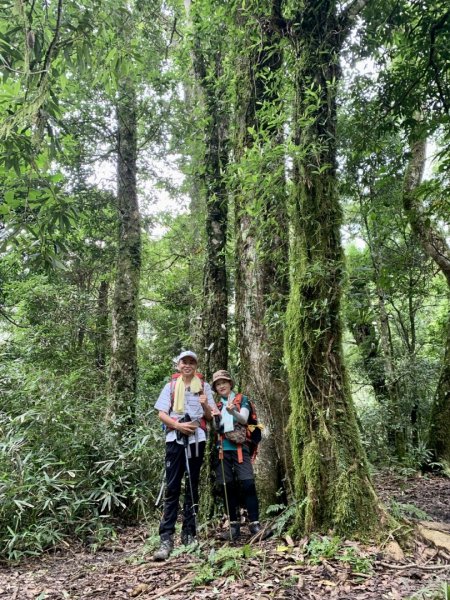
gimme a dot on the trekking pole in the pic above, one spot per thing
(227, 508)
(161, 489)
(188, 472)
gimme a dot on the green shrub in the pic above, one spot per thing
(64, 472)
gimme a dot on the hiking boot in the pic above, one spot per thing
(256, 527)
(164, 550)
(188, 538)
(232, 533)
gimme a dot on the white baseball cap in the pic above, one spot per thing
(187, 353)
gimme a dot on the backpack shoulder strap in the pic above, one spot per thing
(238, 400)
(202, 379)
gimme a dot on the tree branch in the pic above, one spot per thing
(52, 46)
(350, 13)
(8, 318)
(433, 242)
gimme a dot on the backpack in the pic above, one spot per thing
(253, 428)
(173, 381)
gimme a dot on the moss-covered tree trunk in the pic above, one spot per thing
(436, 247)
(215, 284)
(262, 236)
(332, 482)
(207, 66)
(123, 370)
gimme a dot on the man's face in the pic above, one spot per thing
(223, 387)
(187, 365)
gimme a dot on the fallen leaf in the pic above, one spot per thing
(394, 552)
(327, 582)
(139, 589)
(284, 548)
(289, 540)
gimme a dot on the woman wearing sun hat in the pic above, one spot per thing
(234, 456)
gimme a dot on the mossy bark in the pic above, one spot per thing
(123, 368)
(262, 237)
(207, 66)
(332, 482)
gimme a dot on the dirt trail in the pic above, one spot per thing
(121, 570)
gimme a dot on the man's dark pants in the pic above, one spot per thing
(175, 470)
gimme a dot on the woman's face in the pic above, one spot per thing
(223, 387)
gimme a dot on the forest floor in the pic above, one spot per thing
(279, 568)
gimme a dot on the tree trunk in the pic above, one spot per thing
(360, 318)
(436, 247)
(207, 64)
(123, 372)
(101, 326)
(395, 432)
(332, 481)
(396, 436)
(262, 240)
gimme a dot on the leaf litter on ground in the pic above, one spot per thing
(308, 569)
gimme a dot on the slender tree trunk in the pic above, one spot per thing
(261, 226)
(395, 433)
(396, 437)
(436, 247)
(101, 327)
(123, 372)
(332, 481)
(360, 318)
(207, 65)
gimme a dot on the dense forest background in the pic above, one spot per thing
(265, 182)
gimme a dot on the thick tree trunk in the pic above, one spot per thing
(207, 65)
(123, 372)
(262, 243)
(332, 482)
(215, 285)
(436, 247)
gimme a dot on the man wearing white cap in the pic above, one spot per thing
(184, 406)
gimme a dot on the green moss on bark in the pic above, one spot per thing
(332, 483)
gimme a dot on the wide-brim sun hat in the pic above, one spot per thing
(222, 374)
